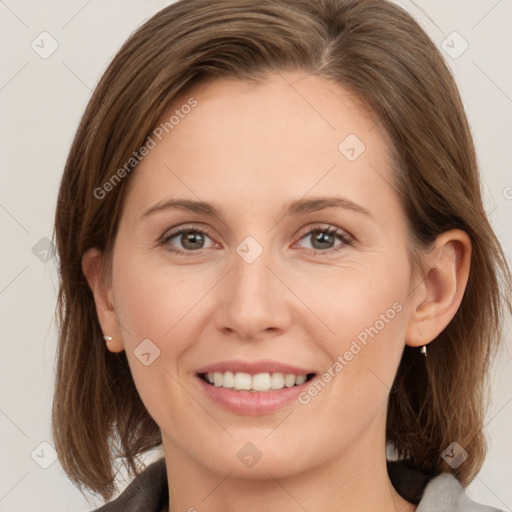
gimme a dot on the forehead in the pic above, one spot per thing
(288, 134)
(283, 105)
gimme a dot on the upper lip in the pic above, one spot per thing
(254, 367)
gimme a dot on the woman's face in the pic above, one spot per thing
(301, 270)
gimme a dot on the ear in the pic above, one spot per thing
(91, 265)
(437, 298)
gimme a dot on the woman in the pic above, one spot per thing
(276, 265)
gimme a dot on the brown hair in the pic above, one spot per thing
(380, 54)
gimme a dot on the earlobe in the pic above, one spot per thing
(436, 300)
(92, 268)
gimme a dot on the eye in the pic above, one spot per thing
(187, 239)
(194, 239)
(323, 238)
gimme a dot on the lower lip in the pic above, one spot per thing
(250, 402)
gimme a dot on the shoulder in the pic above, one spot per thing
(148, 492)
(444, 493)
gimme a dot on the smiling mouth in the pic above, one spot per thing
(260, 382)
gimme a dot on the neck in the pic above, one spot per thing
(354, 480)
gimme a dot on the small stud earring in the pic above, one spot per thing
(107, 338)
(423, 350)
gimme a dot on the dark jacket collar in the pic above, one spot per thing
(148, 492)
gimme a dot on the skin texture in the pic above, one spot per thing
(250, 149)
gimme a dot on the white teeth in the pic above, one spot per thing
(217, 379)
(262, 382)
(289, 380)
(300, 380)
(243, 381)
(228, 380)
(277, 381)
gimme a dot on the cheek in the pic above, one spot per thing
(154, 302)
(364, 311)
(356, 297)
(354, 301)
(155, 311)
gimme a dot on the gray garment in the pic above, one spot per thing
(445, 494)
(149, 493)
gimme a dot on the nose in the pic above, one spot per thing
(254, 302)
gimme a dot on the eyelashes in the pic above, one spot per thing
(332, 232)
(195, 234)
(190, 230)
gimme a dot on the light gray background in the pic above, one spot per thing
(41, 102)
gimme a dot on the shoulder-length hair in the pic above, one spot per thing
(381, 55)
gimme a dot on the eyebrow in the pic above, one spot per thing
(298, 207)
